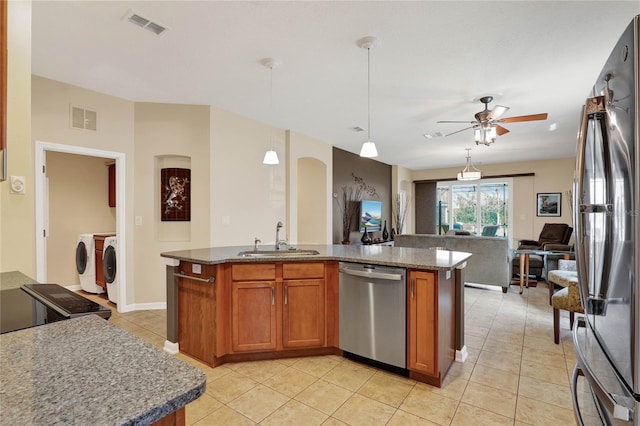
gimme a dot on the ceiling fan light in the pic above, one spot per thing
(368, 150)
(477, 134)
(271, 157)
(492, 133)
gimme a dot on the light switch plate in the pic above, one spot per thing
(196, 268)
(17, 185)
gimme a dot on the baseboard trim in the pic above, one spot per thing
(171, 347)
(462, 354)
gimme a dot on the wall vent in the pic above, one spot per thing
(82, 118)
(146, 23)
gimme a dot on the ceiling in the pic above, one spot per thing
(432, 61)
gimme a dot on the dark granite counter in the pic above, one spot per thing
(86, 371)
(371, 254)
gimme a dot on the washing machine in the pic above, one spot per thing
(109, 267)
(86, 264)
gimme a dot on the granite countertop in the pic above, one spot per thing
(370, 254)
(14, 279)
(87, 371)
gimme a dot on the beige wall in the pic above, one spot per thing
(51, 101)
(305, 186)
(550, 176)
(78, 194)
(167, 136)
(17, 245)
(248, 198)
(402, 180)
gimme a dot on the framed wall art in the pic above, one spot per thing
(175, 194)
(548, 204)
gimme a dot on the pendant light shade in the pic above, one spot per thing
(368, 148)
(469, 172)
(271, 156)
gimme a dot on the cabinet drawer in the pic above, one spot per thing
(302, 270)
(254, 271)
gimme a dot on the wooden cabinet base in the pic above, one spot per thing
(177, 418)
(426, 378)
(262, 356)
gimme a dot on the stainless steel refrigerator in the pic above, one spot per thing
(606, 381)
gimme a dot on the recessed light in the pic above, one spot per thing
(428, 136)
(552, 127)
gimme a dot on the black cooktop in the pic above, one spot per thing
(38, 304)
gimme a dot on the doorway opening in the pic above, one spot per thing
(42, 209)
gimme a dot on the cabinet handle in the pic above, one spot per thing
(273, 295)
(413, 280)
(286, 294)
(204, 280)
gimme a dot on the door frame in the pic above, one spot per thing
(42, 209)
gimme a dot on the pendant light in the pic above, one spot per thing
(368, 148)
(271, 156)
(469, 172)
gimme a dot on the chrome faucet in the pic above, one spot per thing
(255, 244)
(279, 242)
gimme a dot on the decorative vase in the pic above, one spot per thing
(393, 234)
(366, 238)
(385, 234)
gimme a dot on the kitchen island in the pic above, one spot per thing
(87, 371)
(226, 306)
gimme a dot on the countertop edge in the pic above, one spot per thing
(462, 257)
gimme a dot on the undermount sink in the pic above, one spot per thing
(277, 253)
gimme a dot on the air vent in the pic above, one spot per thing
(82, 118)
(146, 23)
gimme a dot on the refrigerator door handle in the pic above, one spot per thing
(574, 395)
(619, 411)
(593, 294)
(578, 219)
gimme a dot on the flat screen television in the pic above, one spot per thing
(370, 215)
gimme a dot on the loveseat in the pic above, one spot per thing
(490, 263)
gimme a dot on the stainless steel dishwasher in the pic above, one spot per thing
(373, 312)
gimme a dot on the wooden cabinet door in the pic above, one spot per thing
(422, 313)
(303, 319)
(196, 319)
(253, 316)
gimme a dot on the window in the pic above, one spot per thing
(481, 208)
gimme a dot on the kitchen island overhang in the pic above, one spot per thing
(225, 276)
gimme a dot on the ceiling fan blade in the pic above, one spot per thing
(532, 117)
(455, 121)
(500, 130)
(496, 112)
(462, 130)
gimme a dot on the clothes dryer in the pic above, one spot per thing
(85, 264)
(109, 266)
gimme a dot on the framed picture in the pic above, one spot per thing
(548, 204)
(175, 190)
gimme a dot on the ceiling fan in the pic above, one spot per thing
(486, 123)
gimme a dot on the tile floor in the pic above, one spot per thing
(514, 375)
